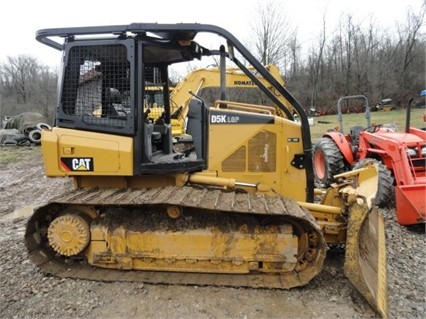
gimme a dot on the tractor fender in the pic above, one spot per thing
(343, 145)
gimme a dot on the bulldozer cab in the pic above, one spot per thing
(107, 87)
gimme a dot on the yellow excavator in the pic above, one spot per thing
(234, 207)
(203, 79)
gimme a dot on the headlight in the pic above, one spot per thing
(411, 152)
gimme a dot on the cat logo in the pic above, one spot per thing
(77, 164)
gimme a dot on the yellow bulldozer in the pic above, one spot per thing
(234, 207)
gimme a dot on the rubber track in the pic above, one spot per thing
(201, 199)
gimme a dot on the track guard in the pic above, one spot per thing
(365, 259)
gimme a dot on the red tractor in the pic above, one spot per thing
(401, 157)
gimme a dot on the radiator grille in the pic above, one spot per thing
(259, 156)
(262, 152)
(236, 162)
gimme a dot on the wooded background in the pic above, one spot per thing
(355, 58)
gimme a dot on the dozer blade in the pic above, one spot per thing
(365, 259)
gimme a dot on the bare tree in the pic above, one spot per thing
(294, 48)
(44, 95)
(410, 53)
(315, 63)
(17, 77)
(271, 33)
(294, 79)
(26, 85)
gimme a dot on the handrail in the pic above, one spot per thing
(245, 107)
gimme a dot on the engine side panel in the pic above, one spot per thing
(257, 149)
(69, 152)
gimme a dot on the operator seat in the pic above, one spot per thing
(163, 136)
(194, 125)
(147, 135)
(355, 130)
(354, 133)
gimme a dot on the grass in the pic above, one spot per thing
(395, 117)
(10, 154)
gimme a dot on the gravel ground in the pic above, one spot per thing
(28, 293)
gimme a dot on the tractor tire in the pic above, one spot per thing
(328, 161)
(43, 126)
(35, 136)
(385, 196)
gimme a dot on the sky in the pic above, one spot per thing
(20, 19)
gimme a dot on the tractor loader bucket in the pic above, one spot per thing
(365, 259)
(410, 204)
